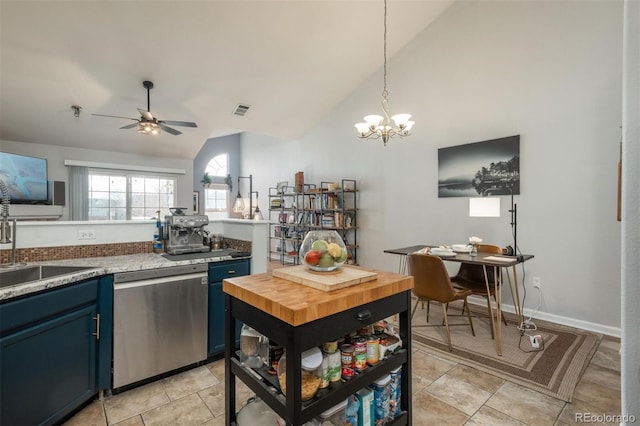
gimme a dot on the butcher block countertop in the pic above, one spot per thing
(298, 304)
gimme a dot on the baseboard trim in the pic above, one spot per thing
(557, 319)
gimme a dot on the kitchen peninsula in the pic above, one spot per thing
(299, 317)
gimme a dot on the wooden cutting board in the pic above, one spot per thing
(342, 277)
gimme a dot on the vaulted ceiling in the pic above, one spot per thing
(291, 61)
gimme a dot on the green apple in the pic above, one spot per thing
(319, 245)
(326, 260)
(342, 257)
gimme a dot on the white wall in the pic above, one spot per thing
(56, 155)
(549, 71)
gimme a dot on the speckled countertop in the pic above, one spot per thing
(99, 266)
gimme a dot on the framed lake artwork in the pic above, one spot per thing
(486, 168)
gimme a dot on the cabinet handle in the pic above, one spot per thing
(231, 272)
(363, 315)
(97, 333)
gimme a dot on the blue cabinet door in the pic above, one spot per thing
(49, 369)
(218, 272)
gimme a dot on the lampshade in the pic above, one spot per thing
(484, 207)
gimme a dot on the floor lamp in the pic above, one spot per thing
(490, 207)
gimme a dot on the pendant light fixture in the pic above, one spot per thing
(376, 126)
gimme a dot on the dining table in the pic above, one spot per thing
(486, 260)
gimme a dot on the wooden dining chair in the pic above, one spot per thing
(471, 277)
(431, 282)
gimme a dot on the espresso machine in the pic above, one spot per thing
(185, 233)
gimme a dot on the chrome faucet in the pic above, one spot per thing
(5, 228)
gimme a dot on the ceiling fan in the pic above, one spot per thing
(147, 124)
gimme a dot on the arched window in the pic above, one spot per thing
(216, 193)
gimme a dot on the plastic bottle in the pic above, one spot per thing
(157, 241)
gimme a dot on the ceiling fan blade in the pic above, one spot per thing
(170, 130)
(129, 126)
(146, 114)
(179, 123)
(115, 116)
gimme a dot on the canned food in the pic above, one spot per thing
(373, 350)
(346, 355)
(330, 347)
(360, 353)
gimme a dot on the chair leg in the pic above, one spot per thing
(490, 316)
(469, 316)
(428, 304)
(413, 311)
(446, 324)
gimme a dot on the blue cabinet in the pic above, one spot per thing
(51, 359)
(217, 273)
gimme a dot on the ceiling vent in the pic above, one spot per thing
(241, 110)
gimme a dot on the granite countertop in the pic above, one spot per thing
(103, 266)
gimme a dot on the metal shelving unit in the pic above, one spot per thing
(293, 214)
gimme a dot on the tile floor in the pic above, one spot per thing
(444, 393)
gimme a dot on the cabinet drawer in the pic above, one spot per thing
(22, 312)
(233, 268)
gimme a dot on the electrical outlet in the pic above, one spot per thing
(86, 234)
(537, 282)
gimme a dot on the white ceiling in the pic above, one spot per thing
(292, 61)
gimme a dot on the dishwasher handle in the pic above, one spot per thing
(202, 276)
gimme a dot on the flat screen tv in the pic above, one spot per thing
(25, 178)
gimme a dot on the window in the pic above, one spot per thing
(216, 194)
(122, 195)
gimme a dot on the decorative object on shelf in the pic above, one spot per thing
(238, 206)
(229, 182)
(474, 241)
(299, 187)
(323, 251)
(196, 202)
(281, 187)
(376, 126)
(206, 179)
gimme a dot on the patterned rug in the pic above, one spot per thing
(554, 370)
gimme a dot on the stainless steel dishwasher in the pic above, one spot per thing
(159, 321)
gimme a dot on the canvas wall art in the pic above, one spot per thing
(484, 168)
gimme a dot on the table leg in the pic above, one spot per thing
(517, 304)
(403, 265)
(486, 281)
(498, 288)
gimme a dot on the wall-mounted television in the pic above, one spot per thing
(25, 178)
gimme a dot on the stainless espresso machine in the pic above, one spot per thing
(184, 233)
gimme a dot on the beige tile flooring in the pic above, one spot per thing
(444, 393)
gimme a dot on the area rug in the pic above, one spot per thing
(554, 370)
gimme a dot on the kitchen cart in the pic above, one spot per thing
(299, 317)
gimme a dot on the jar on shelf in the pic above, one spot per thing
(310, 360)
(250, 347)
(323, 250)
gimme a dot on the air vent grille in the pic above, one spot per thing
(241, 110)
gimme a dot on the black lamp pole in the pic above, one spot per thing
(250, 177)
(514, 226)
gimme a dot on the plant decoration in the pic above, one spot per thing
(229, 182)
(206, 180)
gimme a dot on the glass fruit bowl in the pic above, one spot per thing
(323, 251)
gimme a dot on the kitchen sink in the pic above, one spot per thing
(23, 274)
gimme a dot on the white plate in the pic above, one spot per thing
(461, 248)
(442, 253)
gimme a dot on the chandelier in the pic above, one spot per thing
(377, 126)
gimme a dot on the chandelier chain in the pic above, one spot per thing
(384, 91)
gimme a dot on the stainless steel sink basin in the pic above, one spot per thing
(23, 274)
